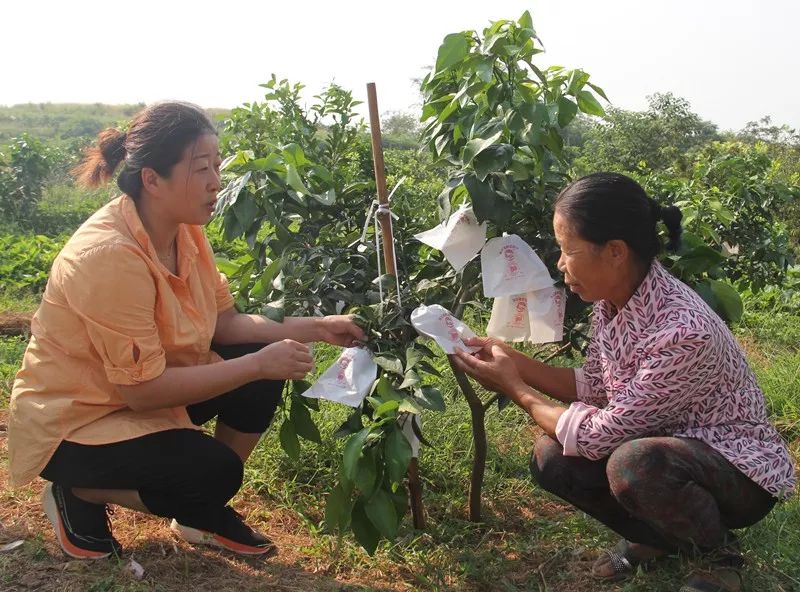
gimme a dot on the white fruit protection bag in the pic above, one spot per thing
(510, 267)
(510, 320)
(459, 238)
(546, 310)
(348, 380)
(439, 324)
(537, 317)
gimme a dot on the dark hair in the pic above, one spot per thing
(156, 138)
(609, 206)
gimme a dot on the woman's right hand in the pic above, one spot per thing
(486, 343)
(284, 360)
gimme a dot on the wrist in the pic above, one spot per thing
(252, 367)
(524, 395)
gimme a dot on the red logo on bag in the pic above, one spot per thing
(463, 218)
(558, 295)
(520, 304)
(450, 324)
(342, 364)
(509, 253)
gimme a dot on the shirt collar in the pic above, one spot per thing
(187, 249)
(643, 301)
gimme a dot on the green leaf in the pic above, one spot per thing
(294, 181)
(270, 271)
(271, 162)
(494, 158)
(293, 154)
(397, 452)
(327, 199)
(366, 472)
(588, 103)
(273, 313)
(352, 452)
(386, 391)
(486, 203)
(478, 145)
(365, 532)
(289, 441)
(389, 362)
(525, 21)
(454, 49)
(728, 299)
(567, 110)
(350, 426)
(411, 379)
(413, 355)
(337, 509)
(430, 397)
(381, 512)
(245, 209)
(409, 405)
(303, 424)
(484, 68)
(386, 408)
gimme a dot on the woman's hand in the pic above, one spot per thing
(284, 360)
(339, 330)
(492, 366)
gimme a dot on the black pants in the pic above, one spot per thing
(669, 493)
(183, 474)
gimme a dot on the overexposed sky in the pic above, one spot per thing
(734, 60)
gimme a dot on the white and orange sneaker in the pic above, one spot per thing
(232, 534)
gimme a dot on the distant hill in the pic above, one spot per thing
(66, 121)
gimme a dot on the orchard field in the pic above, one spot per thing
(502, 129)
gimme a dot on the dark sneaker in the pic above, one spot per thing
(82, 529)
(232, 534)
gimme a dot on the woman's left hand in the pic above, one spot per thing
(492, 367)
(339, 330)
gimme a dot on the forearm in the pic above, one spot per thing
(558, 383)
(542, 410)
(248, 328)
(181, 386)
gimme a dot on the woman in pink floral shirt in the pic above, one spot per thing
(666, 438)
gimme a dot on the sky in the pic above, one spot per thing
(735, 60)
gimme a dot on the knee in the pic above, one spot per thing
(634, 471)
(547, 464)
(220, 475)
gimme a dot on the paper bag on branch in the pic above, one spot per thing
(510, 267)
(537, 317)
(439, 324)
(510, 320)
(459, 238)
(546, 311)
(348, 380)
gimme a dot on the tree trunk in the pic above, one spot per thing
(479, 439)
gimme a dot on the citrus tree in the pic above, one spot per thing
(299, 189)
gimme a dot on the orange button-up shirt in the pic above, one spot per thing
(111, 315)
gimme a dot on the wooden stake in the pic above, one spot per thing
(385, 219)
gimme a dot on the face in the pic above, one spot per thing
(591, 271)
(190, 192)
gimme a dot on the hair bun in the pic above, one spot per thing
(658, 212)
(112, 146)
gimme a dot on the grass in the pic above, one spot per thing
(529, 540)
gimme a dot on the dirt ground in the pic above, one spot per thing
(171, 564)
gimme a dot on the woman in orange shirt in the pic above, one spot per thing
(136, 343)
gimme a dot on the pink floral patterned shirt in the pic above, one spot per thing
(666, 365)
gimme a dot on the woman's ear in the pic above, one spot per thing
(151, 180)
(619, 251)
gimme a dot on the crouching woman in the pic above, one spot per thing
(666, 439)
(137, 343)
